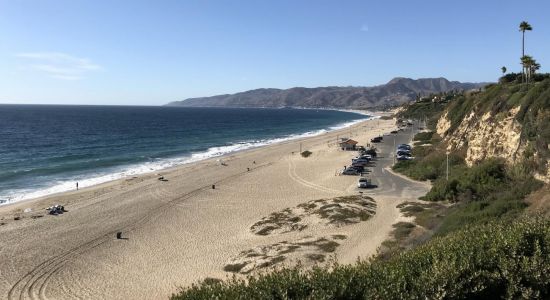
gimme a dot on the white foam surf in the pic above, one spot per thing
(156, 164)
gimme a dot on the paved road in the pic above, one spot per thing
(390, 184)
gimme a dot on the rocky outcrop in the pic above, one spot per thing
(495, 138)
(486, 136)
(460, 137)
(443, 124)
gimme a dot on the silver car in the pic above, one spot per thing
(363, 183)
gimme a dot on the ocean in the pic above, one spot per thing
(46, 149)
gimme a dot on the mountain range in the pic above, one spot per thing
(397, 91)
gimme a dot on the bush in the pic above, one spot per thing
(429, 164)
(476, 182)
(423, 136)
(511, 78)
(421, 110)
(496, 260)
(484, 192)
(306, 153)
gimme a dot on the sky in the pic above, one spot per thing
(153, 52)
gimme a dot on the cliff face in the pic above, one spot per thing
(505, 122)
(486, 136)
(397, 91)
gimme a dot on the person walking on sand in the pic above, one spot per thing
(77, 185)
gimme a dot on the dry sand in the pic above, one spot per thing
(181, 230)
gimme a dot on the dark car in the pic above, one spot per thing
(361, 158)
(393, 131)
(404, 147)
(370, 152)
(358, 167)
(403, 153)
(351, 171)
(404, 157)
(377, 139)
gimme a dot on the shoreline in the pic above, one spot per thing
(182, 230)
(187, 159)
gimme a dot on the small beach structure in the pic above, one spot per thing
(348, 144)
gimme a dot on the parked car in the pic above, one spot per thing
(363, 182)
(404, 147)
(404, 157)
(359, 161)
(377, 139)
(371, 152)
(403, 153)
(363, 156)
(359, 168)
(350, 171)
(393, 131)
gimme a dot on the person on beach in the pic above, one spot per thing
(77, 185)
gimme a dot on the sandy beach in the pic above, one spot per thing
(181, 230)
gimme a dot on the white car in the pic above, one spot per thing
(363, 183)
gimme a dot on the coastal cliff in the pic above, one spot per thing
(507, 121)
(396, 92)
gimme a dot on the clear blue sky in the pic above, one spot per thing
(153, 52)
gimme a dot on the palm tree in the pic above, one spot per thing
(528, 62)
(524, 26)
(534, 67)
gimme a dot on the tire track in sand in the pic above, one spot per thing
(294, 176)
(33, 284)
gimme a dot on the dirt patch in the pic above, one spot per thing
(329, 212)
(539, 202)
(426, 214)
(426, 219)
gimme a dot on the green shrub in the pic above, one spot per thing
(423, 136)
(429, 163)
(306, 153)
(484, 192)
(475, 182)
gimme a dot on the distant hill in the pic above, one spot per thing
(397, 91)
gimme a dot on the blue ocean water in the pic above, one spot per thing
(46, 149)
